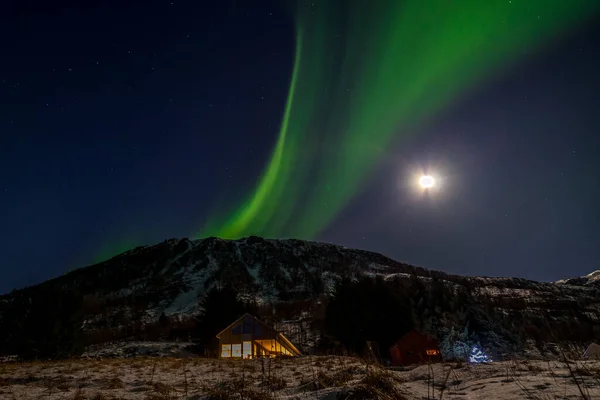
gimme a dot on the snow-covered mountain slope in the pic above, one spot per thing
(592, 279)
(135, 287)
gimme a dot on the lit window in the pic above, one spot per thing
(226, 351)
(236, 350)
(247, 349)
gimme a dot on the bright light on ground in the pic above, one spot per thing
(426, 181)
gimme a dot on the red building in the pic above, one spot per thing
(415, 348)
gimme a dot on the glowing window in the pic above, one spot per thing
(236, 350)
(431, 352)
(226, 351)
(247, 349)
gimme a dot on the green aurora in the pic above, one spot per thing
(364, 74)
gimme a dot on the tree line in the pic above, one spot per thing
(43, 324)
(49, 322)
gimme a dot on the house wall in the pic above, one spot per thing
(412, 349)
(258, 332)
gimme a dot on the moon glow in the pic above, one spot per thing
(426, 181)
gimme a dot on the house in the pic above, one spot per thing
(592, 352)
(247, 337)
(415, 348)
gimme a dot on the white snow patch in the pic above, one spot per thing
(378, 267)
(594, 276)
(134, 288)
(253, 271)
(184, 303)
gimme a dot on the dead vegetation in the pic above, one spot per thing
(305, 377)
(380, 385)
(235, 390)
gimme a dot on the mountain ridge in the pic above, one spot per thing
(589, 279)
(133, 289)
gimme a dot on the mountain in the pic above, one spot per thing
(128, 293)
(592, 279)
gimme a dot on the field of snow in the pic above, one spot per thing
(300, 378)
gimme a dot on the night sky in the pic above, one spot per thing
(129, 122)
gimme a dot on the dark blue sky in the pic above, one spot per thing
(123, 122)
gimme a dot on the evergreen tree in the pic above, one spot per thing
(455, 344)
(164, 326)
(367, 310)
(478, 356)
(11, 323)
(50, 326)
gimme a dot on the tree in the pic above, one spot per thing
(367, 310)
(164, 326)
(11, 323)
(47, 324)
(455, 344)
(478, 356)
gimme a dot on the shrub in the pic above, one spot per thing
(376, 385)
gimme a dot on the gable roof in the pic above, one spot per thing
(288, 343)
(279, 334)
(240, 319)
(413, 333)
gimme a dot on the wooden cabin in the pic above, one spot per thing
(247, 337)
(415, 348)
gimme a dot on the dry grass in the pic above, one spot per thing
(229, 390)
(376, 385)
(305, 377)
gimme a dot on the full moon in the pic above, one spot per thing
(426, 181)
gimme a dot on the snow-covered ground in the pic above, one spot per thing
(337, 377)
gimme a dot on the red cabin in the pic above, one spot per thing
(415, 348)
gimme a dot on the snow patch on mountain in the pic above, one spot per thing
(591, 279)
(185, 303)
(594, 276)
